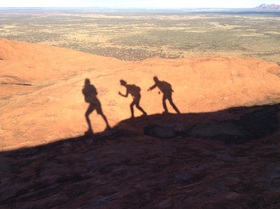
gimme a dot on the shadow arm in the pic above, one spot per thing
(124, 95)
(152, 87)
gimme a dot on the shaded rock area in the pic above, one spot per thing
(162, 132)
(258, 123)
(126, 168)
(246, 124)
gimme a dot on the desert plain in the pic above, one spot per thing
(139, 34)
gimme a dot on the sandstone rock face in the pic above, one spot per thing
(222, 151)
(41, 99)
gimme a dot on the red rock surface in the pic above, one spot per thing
(224, 152)
(52, 107)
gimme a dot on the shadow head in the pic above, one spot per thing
(155, 78)
(123, 82)
(87, 81)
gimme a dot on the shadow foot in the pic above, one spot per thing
(89, 133)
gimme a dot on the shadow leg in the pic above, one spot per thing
(141, 109)
(88, 112)
(131, 109)
(164, 104)
(174, 106)
(106, 121)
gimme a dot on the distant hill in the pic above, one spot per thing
(269, 7)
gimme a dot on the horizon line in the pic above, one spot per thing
(106, 7)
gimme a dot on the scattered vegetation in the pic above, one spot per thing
(134, 35)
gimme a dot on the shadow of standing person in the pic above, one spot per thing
(135, 93)
(90, 94)
(167, 90)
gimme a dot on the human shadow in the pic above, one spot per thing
(134, 91)
(90, 94)
(167, 91)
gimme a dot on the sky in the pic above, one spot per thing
(138, 3)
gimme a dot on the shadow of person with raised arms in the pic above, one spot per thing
(135, 93)
(90, 94)
(167, 90)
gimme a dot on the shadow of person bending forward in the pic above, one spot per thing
(90, 94)
(167, 90)
(135, 93)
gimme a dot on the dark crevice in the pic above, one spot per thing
(18, 84)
